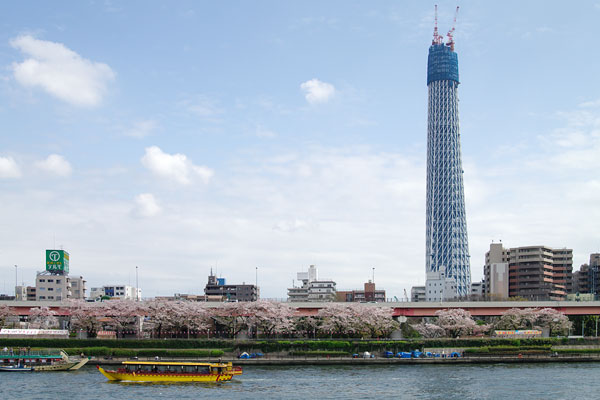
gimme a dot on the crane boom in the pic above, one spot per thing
(450, 33)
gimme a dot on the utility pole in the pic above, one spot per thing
(256, 282)
(373, 275)
(16, 281)
(137, 288)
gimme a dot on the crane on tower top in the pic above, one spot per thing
(437, 38)
(450, 33)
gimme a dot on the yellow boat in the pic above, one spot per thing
(165, 371)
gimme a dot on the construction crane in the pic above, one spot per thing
(450, 33)
(437, 38)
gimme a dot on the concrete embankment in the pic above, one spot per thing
(374, 361)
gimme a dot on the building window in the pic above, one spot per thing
(42, 297)
(50, 297)
(50, 280)
(58, 281)
(42, 280)
(50, 289)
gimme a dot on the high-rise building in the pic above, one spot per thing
(587, 279)
(495, 273)
(532, 272)
(447, 248)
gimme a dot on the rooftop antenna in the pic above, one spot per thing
(450, 33)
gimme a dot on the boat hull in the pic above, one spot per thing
(63, 366)
(16, 369)
(162, 377)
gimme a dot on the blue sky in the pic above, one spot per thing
(180, 136)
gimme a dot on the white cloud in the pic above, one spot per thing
(316, 91)
(263, 132)
(60, 71)
(146, 205)
(175, 167)
(55, 164)
(141, 129)
(9, 168)
(203, 107)
(293, 225)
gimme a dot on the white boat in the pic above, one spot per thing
(16, 368)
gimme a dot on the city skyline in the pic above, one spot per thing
(189, 136)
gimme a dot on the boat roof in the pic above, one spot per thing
(175, 363)
(15, 356)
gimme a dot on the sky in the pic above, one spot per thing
(258, 138)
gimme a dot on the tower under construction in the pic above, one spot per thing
(447, 248)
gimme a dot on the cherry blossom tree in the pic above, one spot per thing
(534, 318)
(123, 314)
(338, 318)
(158, 317)
(84, 316)
(5, 312)
(270, 318)
(308, 325)
(428, 330)
(231, 318)
(186, 316)
(456, 322)
(42, 318)
(374, 321)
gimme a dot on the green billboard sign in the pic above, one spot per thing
(57, 261)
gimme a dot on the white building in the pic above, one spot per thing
(312, 289)
(438, 287)
(418, 294)
(477, 290)
(123, 292)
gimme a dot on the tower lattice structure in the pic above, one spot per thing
(447, 248)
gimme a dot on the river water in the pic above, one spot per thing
(494, 381)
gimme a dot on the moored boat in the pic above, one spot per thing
(40, 360)
(165, 371)
(16, 368)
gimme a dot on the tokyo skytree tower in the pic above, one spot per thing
(447, 247)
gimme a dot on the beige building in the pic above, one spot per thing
(55, 287)
(495, 272)
(534, 272)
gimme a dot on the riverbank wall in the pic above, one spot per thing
(284, 361)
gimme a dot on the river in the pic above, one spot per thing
(493, 381)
